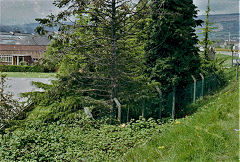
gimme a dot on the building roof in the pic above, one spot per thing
(23, 39)
(13, 47)
(34, 40)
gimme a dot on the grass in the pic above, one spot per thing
(208, 135)
(29, 75)
(224, 49)
(227, 58)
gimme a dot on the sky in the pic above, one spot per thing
(25, 11)
(218, 6)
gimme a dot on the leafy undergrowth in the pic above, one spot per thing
(81, 139)
(211, 134)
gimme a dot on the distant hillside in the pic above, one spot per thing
(225, 23)
(25, 28)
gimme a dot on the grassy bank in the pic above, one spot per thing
(208, 135)
(29, 75)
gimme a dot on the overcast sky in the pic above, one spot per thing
(25, 11)
(218, 6)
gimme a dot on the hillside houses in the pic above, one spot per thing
(228, 44)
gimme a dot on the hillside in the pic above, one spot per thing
(212, 134)
(24, 28)
(224, 23)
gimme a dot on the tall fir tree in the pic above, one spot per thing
(171, 52)
(208, 65)
(206, 31)
(101, 42)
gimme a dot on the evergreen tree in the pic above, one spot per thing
(206, 31)
(208, 28)
(100, 46)
(171, 53)
(208, 66)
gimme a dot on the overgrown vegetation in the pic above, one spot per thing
(75, 139)
(76, 136)
(9, 107)
(209, 135)
(122, 50)
(104, 57)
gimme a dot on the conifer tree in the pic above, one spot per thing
(206, 31)
(102, 42)
(208, 66)
(208, 28)
(171, 53)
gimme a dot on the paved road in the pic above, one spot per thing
(20, 85)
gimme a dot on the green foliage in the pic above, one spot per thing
(52, 58)
(84, 139)
(215, 67)
(171, 52)
(61, 98)
(209, 66)
(101, 54)
(77, 137)
(9, 107)
(206, 31)
(209, 135)
(22, 68)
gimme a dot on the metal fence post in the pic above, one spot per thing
(119, 109)
(215, 81)
(87, 112)
(202, 84)
(194, 89)
(173, 102)
(128, 114)
(143, 108)
(160, 96)
(237, 67)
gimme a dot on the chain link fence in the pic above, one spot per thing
(172, 104)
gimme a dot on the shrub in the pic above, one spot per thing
(9, 108)
(22, 68)
(82, 139)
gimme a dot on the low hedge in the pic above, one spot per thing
(21, 68)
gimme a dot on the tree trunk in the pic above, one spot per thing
(114, 53)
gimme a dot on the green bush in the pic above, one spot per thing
(22, 68)
(82, 139)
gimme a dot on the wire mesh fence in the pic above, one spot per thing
(172, 104)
